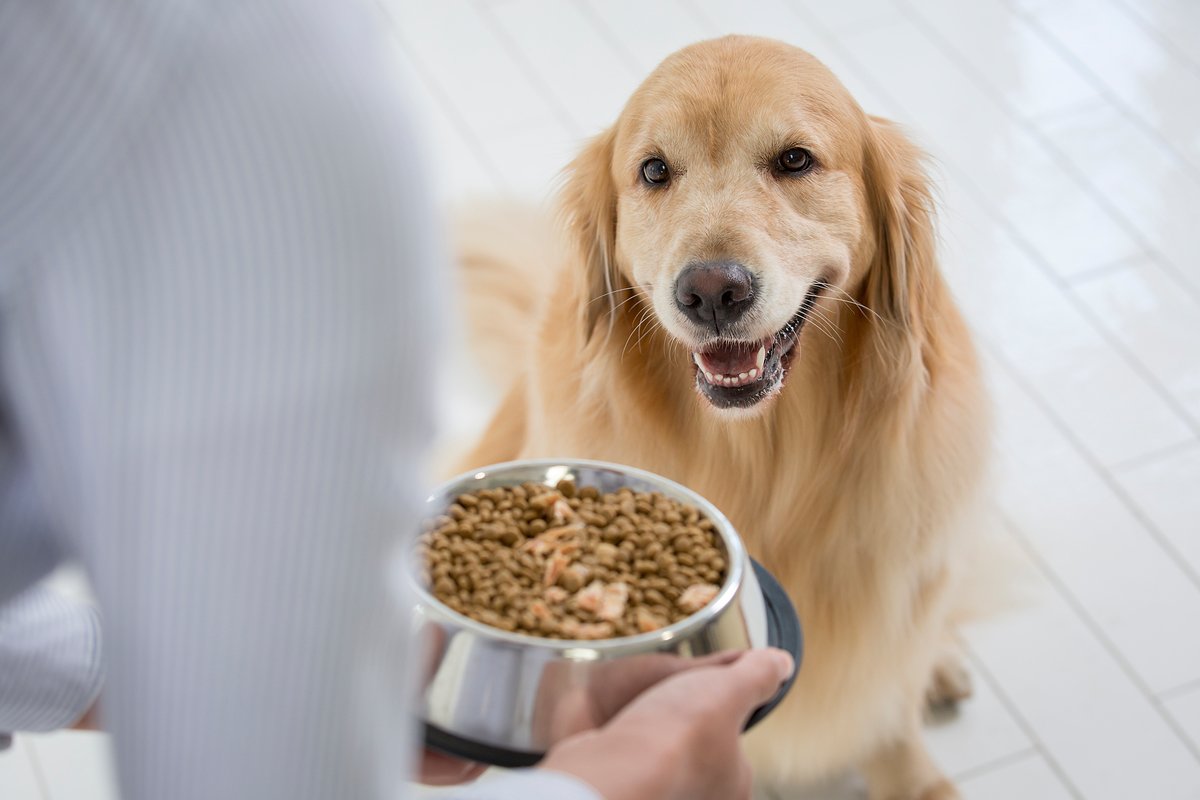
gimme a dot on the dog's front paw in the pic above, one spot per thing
(942, 790)
(951, 683)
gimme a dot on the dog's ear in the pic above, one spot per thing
(902, 273)
(588, 202)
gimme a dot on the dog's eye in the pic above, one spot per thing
(795, 159)
(655, 171)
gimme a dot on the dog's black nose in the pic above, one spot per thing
(717, 292)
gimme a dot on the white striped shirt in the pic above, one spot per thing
(216, 265)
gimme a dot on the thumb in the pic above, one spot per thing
(753, 679)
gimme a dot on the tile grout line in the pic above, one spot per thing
(1075, 604)
(531, 74)
(1019, 718)
(1049, 146)
(1161, 706)
(38, 775)
(1089, 274)
(1163, 42)
(995, 764)
(1137, 462)
(1035, 255)
(1135, 234)
(1118, 346)
(609, 36)
(700, 18)
(1096, 466)
(1050, 114)
(1182, 690)
(1106, 91)
(1122, 348)
(425, 75)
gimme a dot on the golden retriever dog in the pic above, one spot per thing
(751, 305)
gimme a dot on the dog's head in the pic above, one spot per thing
(740, 194)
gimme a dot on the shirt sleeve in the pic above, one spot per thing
(50, 660)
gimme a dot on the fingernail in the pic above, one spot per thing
(784, 663)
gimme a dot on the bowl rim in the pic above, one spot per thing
(735, 549)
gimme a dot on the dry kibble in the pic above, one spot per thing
(606, 554)
(573, 577)
(572, 562)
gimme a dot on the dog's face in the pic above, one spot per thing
(739, 203)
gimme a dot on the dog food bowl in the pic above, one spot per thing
(504, 698)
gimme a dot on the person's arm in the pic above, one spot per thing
(221, 361)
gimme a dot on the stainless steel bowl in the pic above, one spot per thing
(504, 698)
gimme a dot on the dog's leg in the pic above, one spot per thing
(951, 681)
(903, 770)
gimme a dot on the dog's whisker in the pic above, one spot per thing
(625, 347)
(633, 288)
(636, 326)
(645, 317)
(827, 325)
(638, 344)
(614, 309)
(649, 317)
(849, 300)
(826, 322)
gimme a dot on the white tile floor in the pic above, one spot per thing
(1067, 140)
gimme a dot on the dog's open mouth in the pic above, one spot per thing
(738, 374)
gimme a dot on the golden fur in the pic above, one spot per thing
(851, 484)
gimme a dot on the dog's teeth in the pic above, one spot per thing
(708, 376)
(730, 381)
(753, 373)
(696, 358)
(742, 376)
(762, 356)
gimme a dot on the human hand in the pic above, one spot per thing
(90, 721)
(678, 739)
(567, 706)
(437, 769)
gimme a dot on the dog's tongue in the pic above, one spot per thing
(731, 358)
